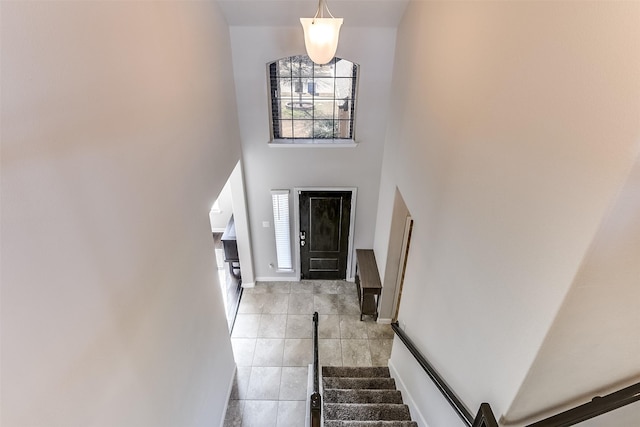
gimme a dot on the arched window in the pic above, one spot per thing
(310, 101)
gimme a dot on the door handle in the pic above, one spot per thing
(303, 237)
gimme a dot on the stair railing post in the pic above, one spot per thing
(315, 401)
(316, 412)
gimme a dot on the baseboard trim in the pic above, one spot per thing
(307, 417)
(291, 279)
(276, 279)
(229, 390)
(384, 321)
(248, 284)
(416, 415)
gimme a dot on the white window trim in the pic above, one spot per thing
(313, 143)
(282, 230)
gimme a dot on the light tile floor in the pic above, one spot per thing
(273, 345)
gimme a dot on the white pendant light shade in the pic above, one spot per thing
(321, 38)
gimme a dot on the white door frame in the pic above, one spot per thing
(402, 266)
(296, 222)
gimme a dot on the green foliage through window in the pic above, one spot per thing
(310, 101)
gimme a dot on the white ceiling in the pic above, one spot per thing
(356, 13)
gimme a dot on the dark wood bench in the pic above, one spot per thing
(367, 282)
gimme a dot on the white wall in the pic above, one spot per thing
(119, 129)
(596, 330)
(220, 218)
(513, 126)
(241, 222)
(269, 168)
(419, 392)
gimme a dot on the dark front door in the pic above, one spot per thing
(324, 234)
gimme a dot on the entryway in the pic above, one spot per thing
(273, 346)
(324, 226)
(229, 225)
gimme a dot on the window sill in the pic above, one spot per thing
(313, 143)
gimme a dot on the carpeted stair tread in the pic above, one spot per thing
(366, 412)
(359, 383)
(356, 372)
(361, 396)
(357, 423)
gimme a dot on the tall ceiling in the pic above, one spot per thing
(356, 13)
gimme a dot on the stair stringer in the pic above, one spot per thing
(416, 414)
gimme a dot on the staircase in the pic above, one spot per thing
(362, 397)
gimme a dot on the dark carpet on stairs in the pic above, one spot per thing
(362, 397)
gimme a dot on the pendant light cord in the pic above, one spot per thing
(321, 9)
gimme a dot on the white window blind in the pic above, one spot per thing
(280, 199)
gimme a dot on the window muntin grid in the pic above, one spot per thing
(310, 101)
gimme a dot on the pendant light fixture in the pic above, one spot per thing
(321, 34)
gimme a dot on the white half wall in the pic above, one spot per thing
(119, 129)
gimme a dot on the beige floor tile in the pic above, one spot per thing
(276, 303)
(326, 303)
(299, 326)
(303, 287)
(251, 303)
(347, 288)
(349, 306)
(351, 327)
(330, 352)
(268, 352)
(246, 326)
(291, 413)
(378, 331)
(272, 326)
(325, 287)
(380, 352)
(241, 383)
(300, 304)
(293, 385)
(259, 288)
(355, 353)
(328, 326)
(243, 349)
(277, 287)
(260, 413)
(273, 346)
(264, 383)
(297, 352)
